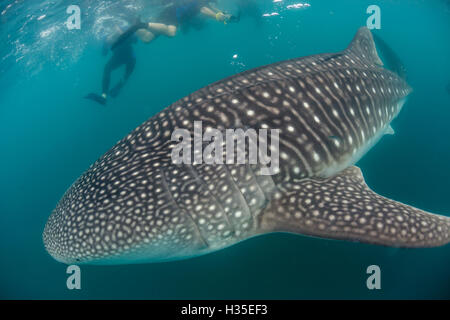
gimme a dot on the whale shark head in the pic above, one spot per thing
(135, 205)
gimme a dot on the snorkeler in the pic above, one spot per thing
(177, 14)
(122, 55)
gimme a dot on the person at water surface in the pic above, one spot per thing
(122, 55)
(175, 15)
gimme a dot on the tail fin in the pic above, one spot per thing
(391, 59)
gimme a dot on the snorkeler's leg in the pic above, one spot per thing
(101, 99)
(153, 30)
(209, 12)
(124, 36)
(146, 32)
(129, 68)
(109, 67)
(161, 28)
(145, 35)
(113, 63)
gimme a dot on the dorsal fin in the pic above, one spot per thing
(363, 46)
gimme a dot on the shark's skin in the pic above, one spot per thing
(135, 205)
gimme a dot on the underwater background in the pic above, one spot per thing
(50, 135)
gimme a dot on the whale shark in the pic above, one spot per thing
(134, 205)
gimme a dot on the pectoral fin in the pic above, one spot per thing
(390, 130)
(343, 207)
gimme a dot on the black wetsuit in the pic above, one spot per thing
(123, 55)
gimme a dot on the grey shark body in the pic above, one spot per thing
(135, 205)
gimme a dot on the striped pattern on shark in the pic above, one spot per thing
(135, 205)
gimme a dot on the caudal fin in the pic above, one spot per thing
(391, 59)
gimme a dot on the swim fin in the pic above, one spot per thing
(128, 33)
(97, 98)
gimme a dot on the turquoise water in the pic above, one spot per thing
(50, 135)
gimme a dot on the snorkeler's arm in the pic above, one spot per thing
(214, 14)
